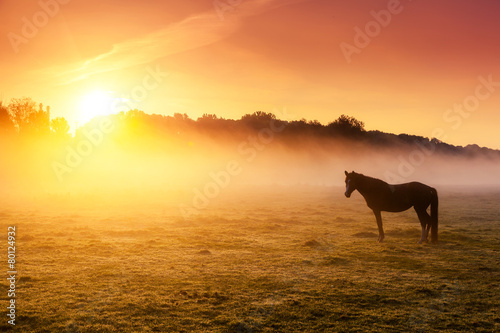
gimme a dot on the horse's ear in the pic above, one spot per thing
(346, 173)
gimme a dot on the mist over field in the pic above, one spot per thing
(165, 158)
(140, 152)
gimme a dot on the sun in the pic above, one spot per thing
(96, 103)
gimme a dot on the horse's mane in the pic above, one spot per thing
(371, 179)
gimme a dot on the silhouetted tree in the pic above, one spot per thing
(314, 123)
(210, 122)
(259, 115)
(297, 126)
(20, 109)
(181, 121)
(348, 126)
(6, 123)
(208, 117)
(27, 118)
(182, 117)
(39, 122)
(60, 127)
(258, 119)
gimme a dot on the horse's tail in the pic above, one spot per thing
(434, 216)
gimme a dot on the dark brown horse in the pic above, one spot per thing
(381, 196)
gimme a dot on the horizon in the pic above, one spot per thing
(389, 63)
(147, 152)
(72, 132)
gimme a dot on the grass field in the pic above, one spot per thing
(282, 260)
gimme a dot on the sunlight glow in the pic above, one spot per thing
(96, 103)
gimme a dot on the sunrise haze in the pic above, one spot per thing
(415, 67)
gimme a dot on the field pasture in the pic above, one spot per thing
(302, 259)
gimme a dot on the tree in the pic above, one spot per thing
(348, 126)
(258, 119)
(181, 117)
(60, 127)
(258, 116)
(208, 118)
(39, 122)
(27, 118)
(20, 109)
(6, 124)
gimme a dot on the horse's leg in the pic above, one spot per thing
(425, 222)
(378, 216)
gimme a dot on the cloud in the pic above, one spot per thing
(191, 33)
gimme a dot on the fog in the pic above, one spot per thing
(110, 162)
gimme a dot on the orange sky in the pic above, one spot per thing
(418, 69)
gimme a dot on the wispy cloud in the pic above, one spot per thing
(193, 32)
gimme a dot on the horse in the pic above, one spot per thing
(381, 196)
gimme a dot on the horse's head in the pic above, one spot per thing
(350, 183)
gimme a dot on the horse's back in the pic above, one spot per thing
(419, 193)
(414, 187)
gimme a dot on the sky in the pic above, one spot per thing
(422, 67)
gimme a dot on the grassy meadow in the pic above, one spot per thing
(274, 260)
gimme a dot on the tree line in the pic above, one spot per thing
(23, 116)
